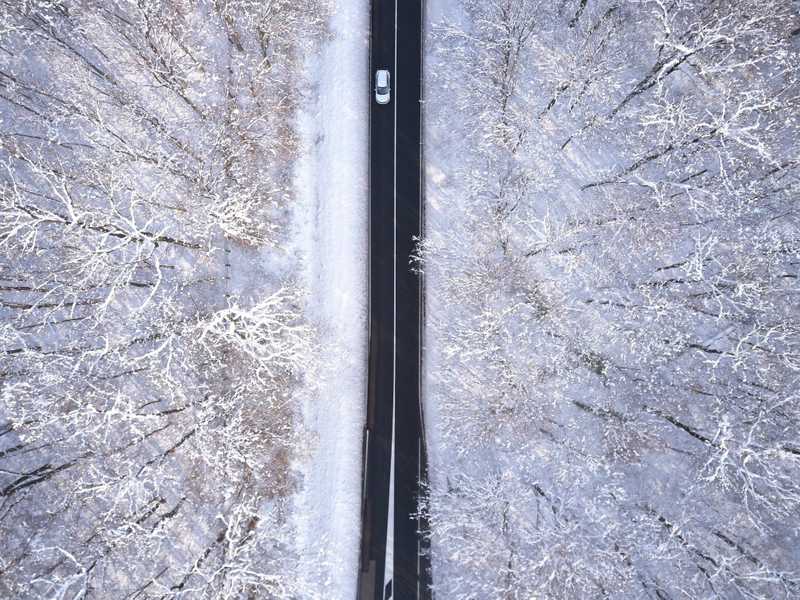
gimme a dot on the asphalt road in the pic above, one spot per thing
(392, 564)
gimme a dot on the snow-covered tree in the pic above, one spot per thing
(611, 263)
(150, 352)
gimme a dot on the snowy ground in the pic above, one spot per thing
(333, 180)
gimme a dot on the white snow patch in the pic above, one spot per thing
(332, 179)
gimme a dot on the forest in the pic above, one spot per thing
(611, 263)
(152, 333)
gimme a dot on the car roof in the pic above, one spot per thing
(382, 76)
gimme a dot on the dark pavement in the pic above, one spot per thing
(395, 316)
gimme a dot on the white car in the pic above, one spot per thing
(383, 90)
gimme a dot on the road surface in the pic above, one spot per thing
(391, 563)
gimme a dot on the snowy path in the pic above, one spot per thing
(333, 182)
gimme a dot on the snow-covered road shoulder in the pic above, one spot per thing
(332, 181)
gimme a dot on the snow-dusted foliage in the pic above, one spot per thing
(151, 335)
(612, 265)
